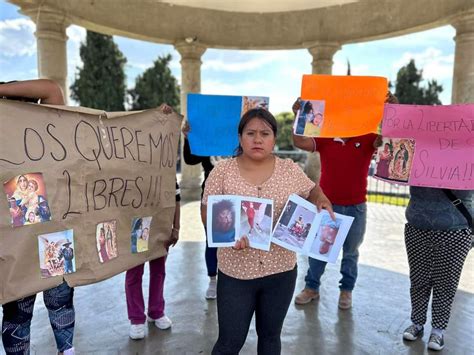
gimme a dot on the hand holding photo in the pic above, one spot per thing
(309, 118)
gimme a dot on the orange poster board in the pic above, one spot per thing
(353, 104)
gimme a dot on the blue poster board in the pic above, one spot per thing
(214, 122)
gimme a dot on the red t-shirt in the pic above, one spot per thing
(345, 167)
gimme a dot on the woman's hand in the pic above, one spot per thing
(166, 109)
(242, 243)
(174, 237)
(186, 128)
(391, 98)
(318, 198)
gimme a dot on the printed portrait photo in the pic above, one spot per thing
(140, 234)
(256, 222)
(309, 118)
(106, 239)
(56, 253)
(27, 199)
(222, 216)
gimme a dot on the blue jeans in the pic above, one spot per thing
(17, 320)
(350, 250)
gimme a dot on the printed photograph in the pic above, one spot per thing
(106, 238)
(250, 102)
(256, 222)
(56, 253)
(294, 225)
(394, 159)
(140, 234)
(27, 199)
(330, 238)
(309, 118)
(222, 220)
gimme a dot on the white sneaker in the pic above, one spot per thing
(211, 293)
(137, 331)
(163, 323)
(69, 351)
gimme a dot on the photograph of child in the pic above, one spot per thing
(294, 225)
(250, 102)
(56, 253)
(330, 237)
(222, 220)
(309, 118)
(106, 239)
(27, 200)
(140, 234)
(256, 222)
(394, 159)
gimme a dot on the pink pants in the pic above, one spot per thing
(134, 292)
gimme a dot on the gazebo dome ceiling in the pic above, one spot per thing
(257, 24)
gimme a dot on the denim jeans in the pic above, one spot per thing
(350, 250)
(17, 320)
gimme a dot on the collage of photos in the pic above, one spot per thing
(302, 229)
(27, 199)
(56, 253)
(140, 234)
(394, 159)
(250, 102)
(106, 237)
(229, 217)
(309, 118)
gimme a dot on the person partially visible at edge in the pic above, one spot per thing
(17, 315)
(253, 281)
(133, 279)
(344, 171)
(210, 253)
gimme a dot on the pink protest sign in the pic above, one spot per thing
(444, 149)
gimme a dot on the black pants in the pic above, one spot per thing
(436, 259)
(237, 300)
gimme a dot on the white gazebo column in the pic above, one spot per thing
(463, 77)
(322, 64)
(51, 42)
(190, 82)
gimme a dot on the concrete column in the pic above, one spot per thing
(322, 64)
(463, 76)
(190, 82)
(51, 42)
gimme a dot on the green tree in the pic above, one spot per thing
(408, 88)
(285, 130)
(155, 86)
(100, 83)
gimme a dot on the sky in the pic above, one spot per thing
(276, 74)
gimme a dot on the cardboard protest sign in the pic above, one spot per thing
(214, 121)
(353, 105)
(99, 170)
(444, 143)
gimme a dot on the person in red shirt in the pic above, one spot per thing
(344, 170)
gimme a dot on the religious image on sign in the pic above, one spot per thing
(27, 201)
(106, 236)
(309, 118)
(394, 159)
(140, 234)
(56, 253)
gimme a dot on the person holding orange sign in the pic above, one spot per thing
(344, 170)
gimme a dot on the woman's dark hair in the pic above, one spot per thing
(307, 107)
(260, 113)
(217, 208)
